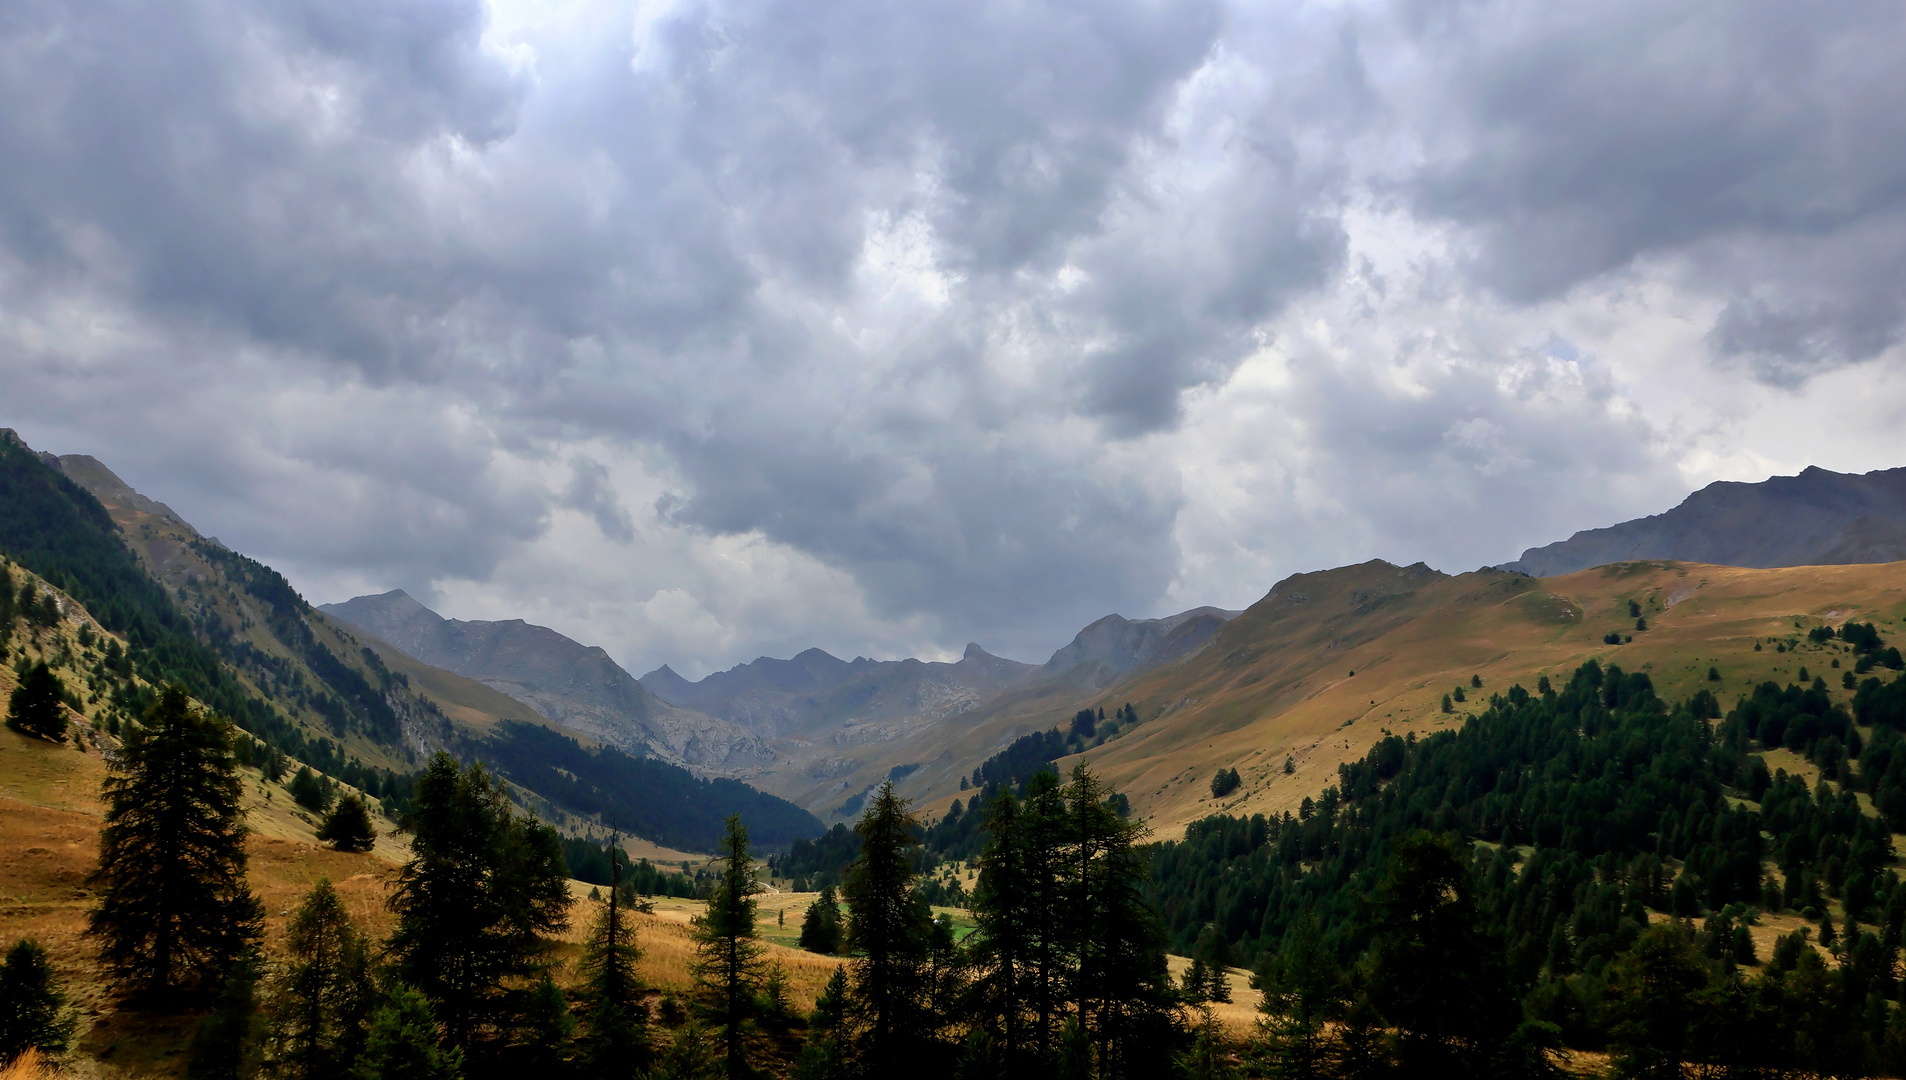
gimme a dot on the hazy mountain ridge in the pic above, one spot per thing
(1817, 518)
(577, 686)
(814, 692)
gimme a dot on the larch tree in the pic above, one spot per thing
(483, 892)
(320, 1005)
(615, 1038)
(174, 913)
(728, 966)
(887, 931)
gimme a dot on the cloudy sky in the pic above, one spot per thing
(713, 328)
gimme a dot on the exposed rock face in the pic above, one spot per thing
(1818, 518)
(575, 685)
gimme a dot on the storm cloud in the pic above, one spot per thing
(705, 329)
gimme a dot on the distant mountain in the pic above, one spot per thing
(839, 727)
(817, 695)
(1115, 646)
(577, 686)
(1818, 518)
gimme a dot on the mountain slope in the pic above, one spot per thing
(1327, 661)
(1817, 518)
(576, 686)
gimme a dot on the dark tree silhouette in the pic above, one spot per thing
(174, 911)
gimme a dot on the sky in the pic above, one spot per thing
(709, 329)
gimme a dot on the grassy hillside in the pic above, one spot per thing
(1277, 681)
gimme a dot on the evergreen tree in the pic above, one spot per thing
(483, 890)
(821, 926)
(615, 1041)
(824, 1057)
(33, 1013)
(348, 826)
(309, 790)
(1003, 948)
(403, 1043)
(226, 1042)
(174, 911)
(887, 931)
(1303, 993)
(727, 967)
(321, 1004)
(545, 1031)
(1434, 975)
(1121, 990)
(35, 707)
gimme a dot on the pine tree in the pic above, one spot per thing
(403, 1042)
(1434, 972)
(1303, 992)
(887, 930)
(1122, 989)
(824, 1057)
(174, 911)
(225, 1044)
(483, 890)
(35, 707)
(348, 826)
(727, 967)
(1002, 950)
(321, 1004)
(33, 1012)
(821, 926)
(545, 1031)
(615, 1042)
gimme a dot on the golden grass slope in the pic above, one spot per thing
(1278, 680)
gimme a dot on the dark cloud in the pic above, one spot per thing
(1576, 139)
(938, 301)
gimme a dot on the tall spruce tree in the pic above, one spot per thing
(174, 911)
(1122, 988)
(728, 965)
(615, 1038)
(476, 904)
(1002, 949)
(887, 931)
(35, 707)
(320, 1005)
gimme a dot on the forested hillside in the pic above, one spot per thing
(178, 607)
(1608, 857)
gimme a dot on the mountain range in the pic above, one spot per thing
(383, 679)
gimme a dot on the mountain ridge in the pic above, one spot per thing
(571, 684)
(1815, 518)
